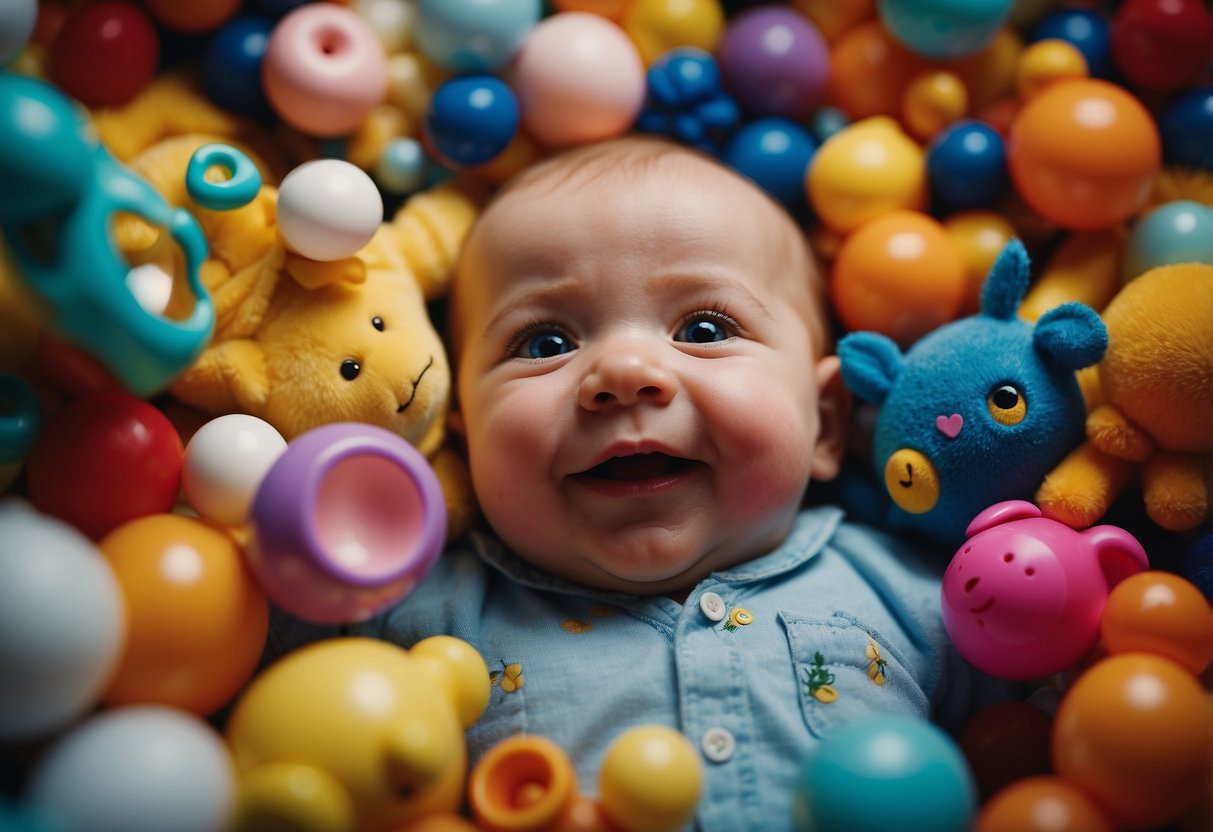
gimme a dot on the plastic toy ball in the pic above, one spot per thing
(1160, 612)
(348, 519)
(104, 459)
(775, 152)
(1004, 743)
(967, 165)
(324, 69)
(650, 779)
(105, 54)
(1162, 45)
(471, 119)
(943, 29)
(230, 71)
(225, 461)
(1046, 62)
(1198, 564)
(979, 237)
(1041, 804)
(775, 62)
(932, 101)
(1084, 154)
(474, 35)
(138, 769)
(610, 9)
(869, 71)
(1174, 232)
(579, 79)
(860, 769)
(401, 168)
(1186, 125)
(834, 17)
(657, 26)
(21, 418)
(899, 275)
(867, 169)
(62, 623)
(1133, 734)
(16, 27)
(1087, 30)
(328, 209)
(827, 121)
(197, 16)
(686, 100)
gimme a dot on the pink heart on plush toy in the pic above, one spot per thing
(950, 426)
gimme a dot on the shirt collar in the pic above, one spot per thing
(813, 528)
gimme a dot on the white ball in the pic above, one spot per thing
(62, 622)
(224, 463)
(328, 209)
(17, 18)
(144, 768)
(393, 21)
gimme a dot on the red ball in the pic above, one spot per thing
(1161, 45)
(103, 459)
(1004, 743)
(105, 53)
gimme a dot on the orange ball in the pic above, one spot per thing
(1041, 804)
(196, 619)
(1159, 612)
(192, 17)
(979, 237)
(869, 71)
(1084, 153)
(1133, 733)
(899, 275)
(610, 9)
(833, 17)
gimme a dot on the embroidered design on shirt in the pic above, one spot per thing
(574, 626)
(510, 678)
(820, 681)
(876, 668)
(739, 617)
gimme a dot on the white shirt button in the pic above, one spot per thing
(718, 744)
(712, 606)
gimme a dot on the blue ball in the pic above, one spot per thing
(1186, 127)
(827, 121)
(943, 28)
(887, 772)
(1180, 231)
(775, 153)
(1087, 30)
(231, 67)
(401, 168)
(967, 165)
(474, 35)
(471, 119)
(1198, 564)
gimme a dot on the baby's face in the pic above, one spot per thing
(637, 376)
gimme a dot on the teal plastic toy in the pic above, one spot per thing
(60, 192)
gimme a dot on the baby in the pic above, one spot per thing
(645, 392)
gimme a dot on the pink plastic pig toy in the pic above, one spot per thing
(1022, 598)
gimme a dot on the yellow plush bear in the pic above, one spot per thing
(1154, 413)
(300, 343)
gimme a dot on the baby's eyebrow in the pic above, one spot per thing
(679, 285)
(546, 295)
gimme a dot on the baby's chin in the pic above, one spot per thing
(648, 571)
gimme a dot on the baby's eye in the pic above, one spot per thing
(545, 343)
(350, 369)
(705, 328)
(1007, 405)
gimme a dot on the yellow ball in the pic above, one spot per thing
(650, 780)
(931, 102)
(866, 170)
(656, 26)
(979, 237)
(1045, 62)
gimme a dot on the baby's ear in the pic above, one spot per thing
(834, 414)
(871, 363)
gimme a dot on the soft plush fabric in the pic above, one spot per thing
(1155, 419)
(938, 403)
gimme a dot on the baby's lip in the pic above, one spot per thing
(637, 467)
(635, 450)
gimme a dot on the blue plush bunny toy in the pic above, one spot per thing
(979, 410)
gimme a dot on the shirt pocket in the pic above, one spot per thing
(846, 670)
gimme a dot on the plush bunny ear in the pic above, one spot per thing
(429, 231)
(1006, 283)
(1072, 336)
(871, 363)
(229, 377)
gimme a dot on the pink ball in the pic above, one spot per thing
(324, 69)
(579, 78)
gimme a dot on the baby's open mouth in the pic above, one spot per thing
(638, 467)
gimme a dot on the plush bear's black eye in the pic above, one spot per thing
(1007, 405)
(350, 369)
(377, 322)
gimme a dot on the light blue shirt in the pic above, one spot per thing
(843, 623)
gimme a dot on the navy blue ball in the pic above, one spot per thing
(774, 152)
(1198, 564)
(231, 67)
(1087, 30)
(471, 119)
(1186, 127)
(967, 165)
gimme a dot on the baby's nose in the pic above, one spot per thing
(624, 375)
